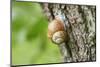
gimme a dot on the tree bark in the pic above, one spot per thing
(80, 23)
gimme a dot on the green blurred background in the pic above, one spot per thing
(30, 44)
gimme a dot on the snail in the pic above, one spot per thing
(56, 31)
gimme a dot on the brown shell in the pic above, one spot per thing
(54, 26)
(61, 35)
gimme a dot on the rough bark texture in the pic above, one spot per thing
(80, 23)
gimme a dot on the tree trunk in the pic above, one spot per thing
(80, 23)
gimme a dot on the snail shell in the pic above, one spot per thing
(56, 31)
(54, 26)
(59, 37)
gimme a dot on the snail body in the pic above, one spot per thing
(56, 31)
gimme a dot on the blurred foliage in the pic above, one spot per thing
(30, 44)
